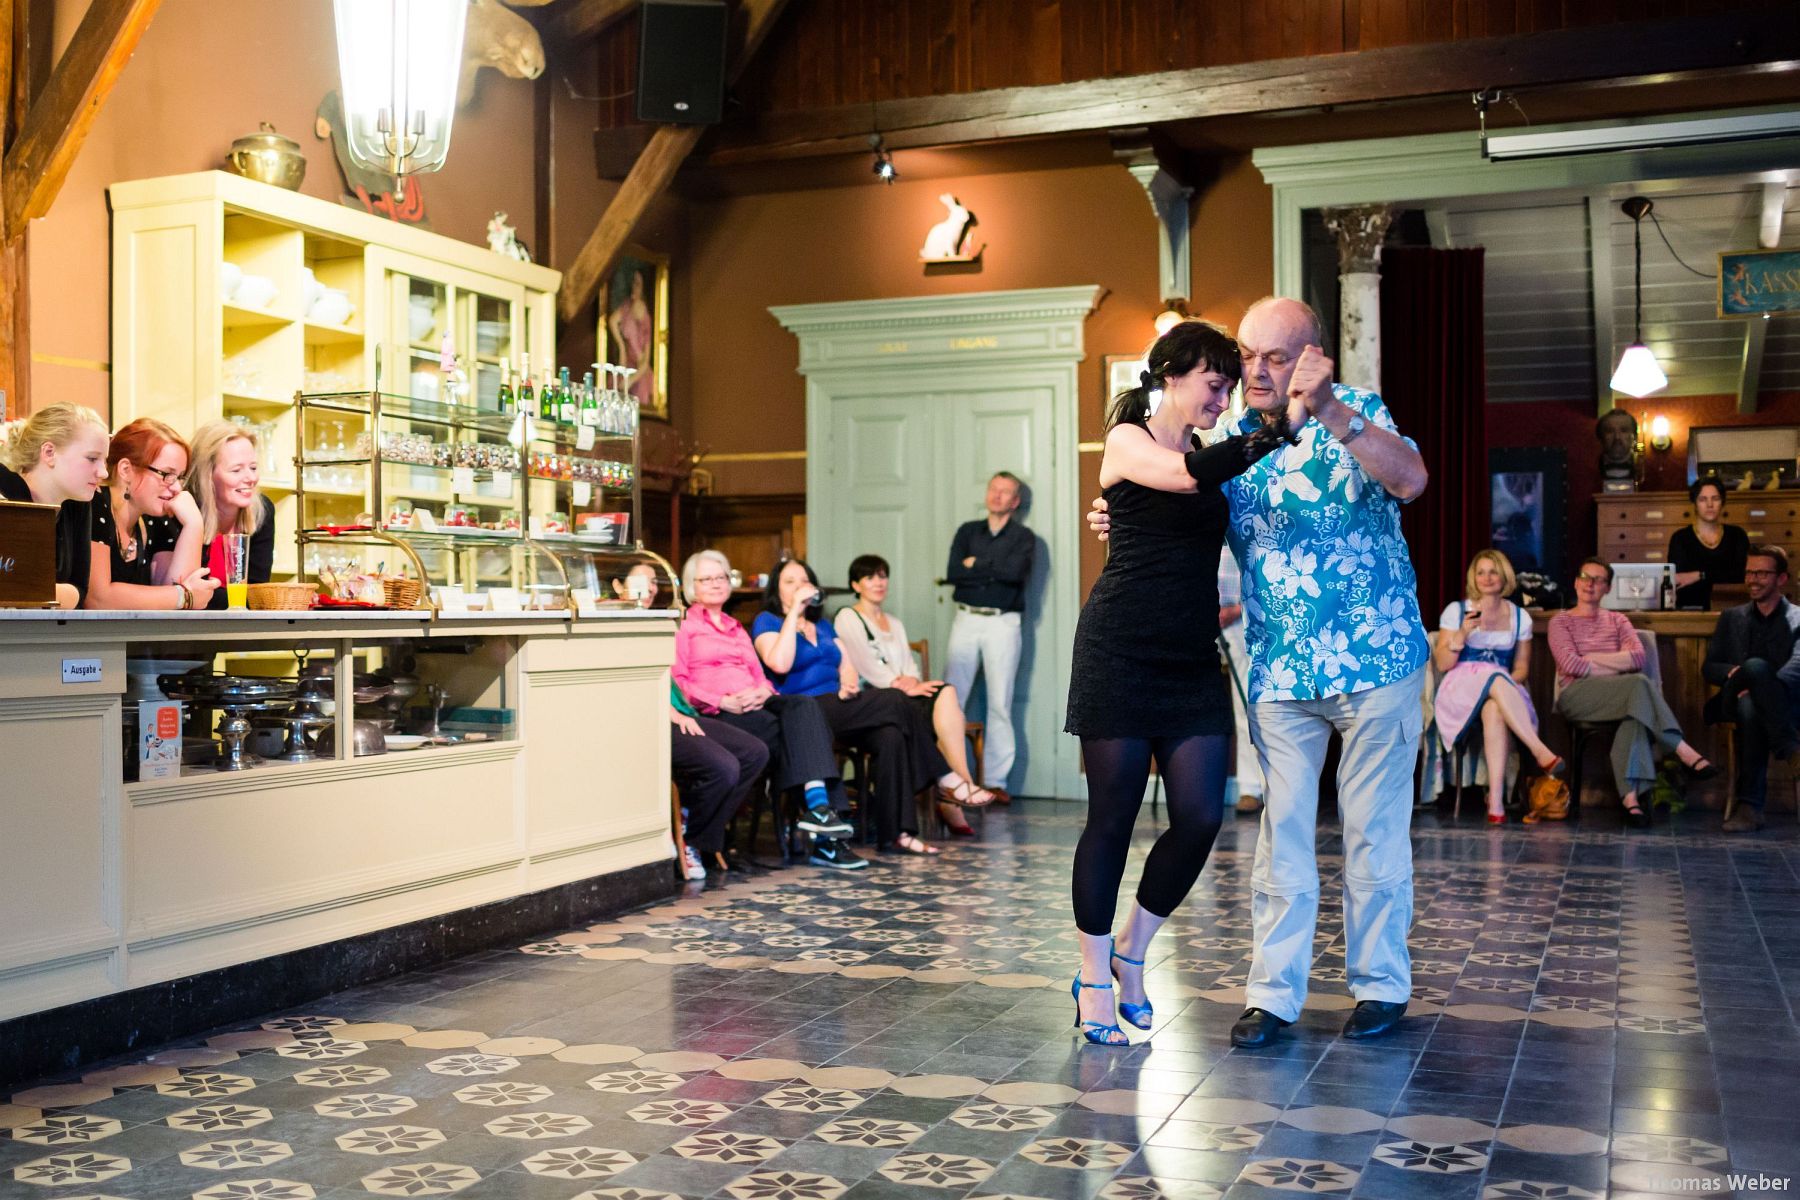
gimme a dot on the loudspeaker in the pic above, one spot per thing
(681, 61)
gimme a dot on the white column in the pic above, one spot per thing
(1360, 230)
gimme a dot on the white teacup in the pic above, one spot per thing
(310, 288)
(333, 307)
(255, 291)
(230, 275)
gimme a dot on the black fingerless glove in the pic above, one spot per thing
(1214, 464)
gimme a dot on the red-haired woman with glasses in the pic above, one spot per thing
(147, 529)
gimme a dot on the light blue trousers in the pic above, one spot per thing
(1380, 729)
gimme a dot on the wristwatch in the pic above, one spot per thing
(1353, 430)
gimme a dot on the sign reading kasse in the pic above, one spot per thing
(1754, 283)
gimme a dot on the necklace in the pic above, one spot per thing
(129, 533)
(876, 615)
(1717, 537)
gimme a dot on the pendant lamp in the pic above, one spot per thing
(399, 61)
(1638, 373)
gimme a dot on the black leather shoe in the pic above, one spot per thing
(1256, 1028)
(1373, 1018)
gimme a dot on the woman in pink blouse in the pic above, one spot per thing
(1600, 674)
(716, 667)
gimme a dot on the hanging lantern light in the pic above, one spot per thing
(1638, 373)
(399, 61)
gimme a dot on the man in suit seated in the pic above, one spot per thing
(1754, 657)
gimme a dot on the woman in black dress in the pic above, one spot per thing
(1708, 551)
(1146, 680)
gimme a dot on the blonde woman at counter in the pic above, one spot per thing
(58, 456)
(147, 528)
(224, 476)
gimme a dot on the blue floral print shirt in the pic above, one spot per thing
(1331, 604)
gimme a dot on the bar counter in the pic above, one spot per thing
(115, 885)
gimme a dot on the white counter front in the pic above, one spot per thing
(110, 885)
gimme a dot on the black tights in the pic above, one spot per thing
(1193, 779)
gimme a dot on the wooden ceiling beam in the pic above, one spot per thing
(58, 121)
(580, 20)
(1635, 52)
(667, 149)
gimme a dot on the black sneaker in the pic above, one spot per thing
(829, 852)
(823, 820)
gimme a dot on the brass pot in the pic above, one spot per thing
(268, 157)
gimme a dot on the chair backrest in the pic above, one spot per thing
(1432, 674)
(922, 648)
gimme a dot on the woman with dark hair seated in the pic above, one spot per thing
(1708, 551)
(801, 654)
(875, 642)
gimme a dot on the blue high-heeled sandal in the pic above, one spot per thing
(1096, 1032)
(1140, 1015)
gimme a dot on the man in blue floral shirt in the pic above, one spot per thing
(1332, 619)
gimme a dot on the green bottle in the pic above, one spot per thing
(565, 397)
(590, 403)
(527, 398)
(503, 401)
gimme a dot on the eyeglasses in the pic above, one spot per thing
(1760, 574)
(1592, 579)
(1276, 359)
(167, 477)
(700, 579)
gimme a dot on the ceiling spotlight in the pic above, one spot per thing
(883, 166)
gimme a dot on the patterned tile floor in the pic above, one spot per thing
(1596, 1012)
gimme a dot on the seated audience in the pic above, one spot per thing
(714, 765)
(223, 476)
(1484, 652)
(801, 654)
(1754, 657)
(58, 456)
(1599, 667)
(876, 644)
(718, 670)
(147, 527)
(1708, 551)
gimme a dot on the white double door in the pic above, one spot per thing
(907, 456)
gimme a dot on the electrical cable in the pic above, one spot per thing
(1671, 248)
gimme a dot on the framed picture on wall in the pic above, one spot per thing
(1122, 371)
(1528, 505)
(634, 326)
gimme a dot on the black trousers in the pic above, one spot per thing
(904, 758)
(795, 731)
(1763, 707)
(713, 774)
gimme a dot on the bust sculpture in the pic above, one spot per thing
(1617, 433)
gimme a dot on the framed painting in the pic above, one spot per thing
(1528, 499)
(634, 326)
(1122, 371)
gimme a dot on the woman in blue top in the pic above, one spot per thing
(801, 654)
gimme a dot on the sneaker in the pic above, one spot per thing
(829, 852)
(1745, 820)
(823, 820)
(691, 866)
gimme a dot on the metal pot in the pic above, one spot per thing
(268, 157)
(366, 738)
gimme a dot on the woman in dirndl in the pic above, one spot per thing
(1484, 652)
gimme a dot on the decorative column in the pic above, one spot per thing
(1360, 230)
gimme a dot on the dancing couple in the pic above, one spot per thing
(1307, 488)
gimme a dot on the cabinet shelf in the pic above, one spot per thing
(330, 335)
(235, 317)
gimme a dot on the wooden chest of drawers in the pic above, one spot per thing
(1635, 526)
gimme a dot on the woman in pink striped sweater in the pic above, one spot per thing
(1600, 674)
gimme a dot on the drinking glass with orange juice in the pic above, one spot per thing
(237, 568)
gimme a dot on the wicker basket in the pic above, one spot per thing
(402, 592)
(285, 597)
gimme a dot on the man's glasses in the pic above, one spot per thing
(1761, 574)
(1600, 579)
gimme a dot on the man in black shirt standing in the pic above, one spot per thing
(990, 563)
(1752, 657)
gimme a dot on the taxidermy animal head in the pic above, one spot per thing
(499, 38)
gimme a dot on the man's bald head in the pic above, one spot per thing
(1285, 310)
(1272, 336)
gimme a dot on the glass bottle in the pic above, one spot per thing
(504, 400)
(590, 404)
(565, 398)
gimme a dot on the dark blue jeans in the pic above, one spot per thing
(1763, 707)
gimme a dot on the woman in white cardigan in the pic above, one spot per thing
(875, 642)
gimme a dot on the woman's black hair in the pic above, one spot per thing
(1712, 481)
(865, 565)
(1189, 346)
(772, 593)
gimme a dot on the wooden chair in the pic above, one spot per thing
(976, 730)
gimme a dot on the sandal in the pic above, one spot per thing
(965, 795)
(1702, 770)
(951, 816)
(910, 844)
(1554, 767)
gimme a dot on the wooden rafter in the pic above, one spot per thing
(579, 20)
(668, 148)
(1602, 55)
(51, 135)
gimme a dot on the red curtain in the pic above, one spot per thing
(1434, 379)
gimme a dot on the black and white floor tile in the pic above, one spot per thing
(1596, 1012)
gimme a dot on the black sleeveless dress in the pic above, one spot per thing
(1146, 660)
